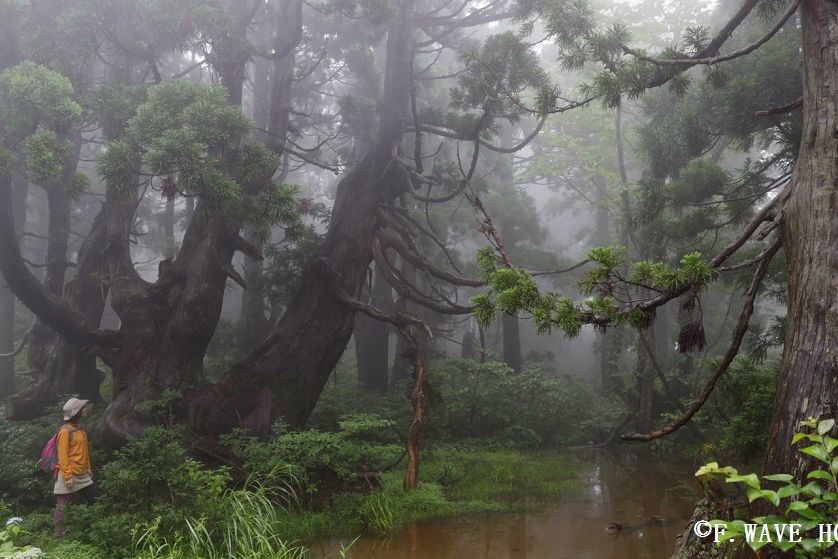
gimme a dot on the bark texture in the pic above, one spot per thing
(808, 384)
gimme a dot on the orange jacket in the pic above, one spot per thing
(72, 455)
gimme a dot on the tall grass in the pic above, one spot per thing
(251, 529)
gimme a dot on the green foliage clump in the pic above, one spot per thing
(808, 503)
(20, 447)
(45, 155)
(513, 290)
(9, 548)
(527, 409)
(34, 95)
(312, 457)
(74, 550)
(150, 477)
(495, 75)
(745, 395)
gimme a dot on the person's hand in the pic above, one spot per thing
(70, 482)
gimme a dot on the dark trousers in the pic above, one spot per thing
(88, 495)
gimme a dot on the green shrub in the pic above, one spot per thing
(525, 409)
(150, 477)
(73, 550)
(744, 398)
(20, 447)
(313, 456)
(809, 503)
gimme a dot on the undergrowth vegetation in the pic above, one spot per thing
(491, 443)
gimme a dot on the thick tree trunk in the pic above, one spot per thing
(808, 383)
(372, 338)
(169, 249)
(286, 373)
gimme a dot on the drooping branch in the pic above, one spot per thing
(399, 319)
(421, 262)
(403, 216)
(738, 334)
(16, 352)
(408, 291)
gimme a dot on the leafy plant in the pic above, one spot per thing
(9, 539)
(808, 503)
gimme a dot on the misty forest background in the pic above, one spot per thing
(342, 265)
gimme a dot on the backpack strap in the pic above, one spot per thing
(70, 432)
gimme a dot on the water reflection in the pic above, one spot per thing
(650, 501)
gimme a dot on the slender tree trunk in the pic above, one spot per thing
(169, 250)
(402, 365)
(7, 303)
(645, 383)
(58, 203)
(254, 323)
(510, 326)
(602, 237)
(511, 342)
(417, 397)
(372, 338)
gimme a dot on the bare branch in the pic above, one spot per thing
(703, 58)
(782, 109)
(399, 320)
(17, 351)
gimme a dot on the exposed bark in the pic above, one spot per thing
(402, 365)
(808, 382)
(417, 397)
(169, 248)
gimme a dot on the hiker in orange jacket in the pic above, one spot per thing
(74, 476)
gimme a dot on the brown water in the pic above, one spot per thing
(651, 501)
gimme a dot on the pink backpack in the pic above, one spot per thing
(49, 455)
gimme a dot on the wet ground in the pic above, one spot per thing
(650, 500)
